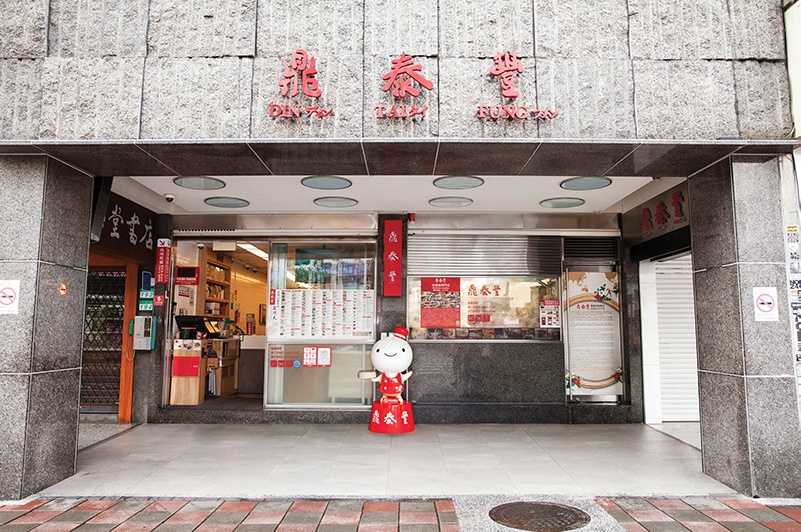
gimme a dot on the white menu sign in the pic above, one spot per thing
(325, 314)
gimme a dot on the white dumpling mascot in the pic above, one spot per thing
(391, 357)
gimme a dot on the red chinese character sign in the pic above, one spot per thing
(299, 77)
(391, 357)
(506, 65)
(404, 79)
(393, 258)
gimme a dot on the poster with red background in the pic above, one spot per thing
(440, 305)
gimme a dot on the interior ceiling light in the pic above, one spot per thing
(247, 246)
(227, 202)
(325, 182)
(562, 203)
(585, 183)
(450, 202)
(335, 202)
(458, 182)
(199, 183)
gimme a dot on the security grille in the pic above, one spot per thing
(102, 339)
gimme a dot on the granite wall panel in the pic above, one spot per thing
(759, 228)
(483, 28)
(14, 391)
(393, 26)
(22, 197)
(66, 216)
(594, 97)
(23, 26)
(91, 98)
(718, 318)
(775, 436)
(468, 84)
(97, 29)
(196, 98)
(763, 90)
(712, 217)
(414, 127)
(52, 429)
(581, 30)
(756, 27)
(680, 29)
(20, 97)
(339, 79)
(197, 28)
(724, 430)
(685, 99)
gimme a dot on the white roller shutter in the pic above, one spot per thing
(678, 363)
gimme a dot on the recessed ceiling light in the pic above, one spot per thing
(335, 202)
(450, 202)
(458, 182)
(562, 203)
(199, 183)
(325, 182)
(227, 202)
(253, 249)
(585, 183)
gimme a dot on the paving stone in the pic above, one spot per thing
(447, 518)
(689, 516)
(705, 503)
(726, 516)
(741, 503)
(419, 528)
(237, 506)
(5, 517)
(273, 506)
(86, 527)
(794, 513)
(308, 506)
(708, 526)
(337, 528)
(302, 518)
(59, 505)
(444, 506)
(153, 518)
(621, 516)
(99, 505)
(202, 505)
(653, 516)
(256, 528)
(225, 518)
(19, 528)
(166, 506)
(746, 527)
(341, 518)
(765, 515)
(634, 504)
(175, 527)
(345, 506)
(377, 506)
(417, 518)
(379, 518)
(74, 516)
(671, 526)
(417, 506)
(670, 504)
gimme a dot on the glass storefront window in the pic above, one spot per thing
(484, 308)
(320, 322)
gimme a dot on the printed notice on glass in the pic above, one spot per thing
(594, 343)
(304, 314)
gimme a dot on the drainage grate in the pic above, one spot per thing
(539, 516)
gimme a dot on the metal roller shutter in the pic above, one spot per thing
(677, 357)
(474, 255)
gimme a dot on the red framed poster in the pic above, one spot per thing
(393, 258)
(186, 275)
(441, 302)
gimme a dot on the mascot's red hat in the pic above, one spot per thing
(401, 332)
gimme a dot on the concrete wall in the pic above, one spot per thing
(163, 69)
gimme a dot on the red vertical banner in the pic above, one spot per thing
(163, 249)
(393, 258)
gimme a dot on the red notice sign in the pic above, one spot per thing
(393, 258)
(163, 248)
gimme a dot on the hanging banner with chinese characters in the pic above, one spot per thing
(594, 358)
(393, 258)
(403, 79)
(299, 77)
(163, 251)
(128, 230)
(505, 66)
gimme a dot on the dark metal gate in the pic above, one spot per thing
(102, 339)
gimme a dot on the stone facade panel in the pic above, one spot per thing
(680, 29)
(763, 93)
(91, 98)
(581, 29)
(595, 98)
(756, 29)
(23, 27)
(20, 98)
(685, 100)
(196, 98)
(14, 393)
(417, 126)
(97, 29)
(340, 82)
(197, 28)
(485, 27)
(468, 84)
(392, 27)
(331, 31)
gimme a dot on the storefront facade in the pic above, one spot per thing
(390, 98)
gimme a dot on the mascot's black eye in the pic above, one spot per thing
(377, 350)
(403, 349)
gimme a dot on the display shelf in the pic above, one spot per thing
(214, 284)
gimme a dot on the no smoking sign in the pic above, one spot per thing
(9, 297)
(765, 304)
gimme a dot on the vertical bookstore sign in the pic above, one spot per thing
(594, 364)
(393, 258)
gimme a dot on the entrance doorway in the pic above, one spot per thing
(670, 364)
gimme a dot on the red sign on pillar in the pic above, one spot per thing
(393, 258)
(163, 249)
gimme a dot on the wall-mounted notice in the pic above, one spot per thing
(766, 306)
(9, 297)
(299, 314)
(594, 346)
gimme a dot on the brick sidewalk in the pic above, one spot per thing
(701, 514)
(100, 515)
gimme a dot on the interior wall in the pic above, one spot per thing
(249, 293)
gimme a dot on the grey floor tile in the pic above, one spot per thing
(688, 516)
(634, 504)
(225, 518)
(337, 528)
(175, 527)
(746, 527)
(665, 527)
(75, 516)
(765, 515)
(95, 527)
(256, 528)
(5, 517)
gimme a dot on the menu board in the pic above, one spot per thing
(303, 314)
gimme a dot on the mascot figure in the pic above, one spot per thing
(391, 357)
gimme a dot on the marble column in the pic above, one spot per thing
(751, 435)
(44, 246)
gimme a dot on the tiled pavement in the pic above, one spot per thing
(636, 514)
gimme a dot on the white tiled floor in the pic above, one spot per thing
(257, 461)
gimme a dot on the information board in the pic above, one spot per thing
(339, 314)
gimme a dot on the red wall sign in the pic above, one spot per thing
(163, 248)
(186, 275)
(393, 258)
(506, 64)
